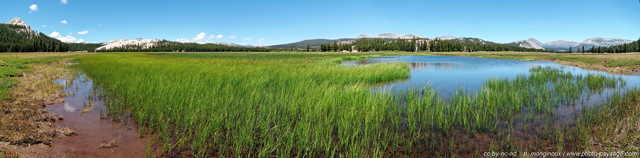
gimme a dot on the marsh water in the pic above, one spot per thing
(97, 135)
(448, 74)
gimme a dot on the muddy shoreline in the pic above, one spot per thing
(96, 134)
(28, 125)
(67, 119)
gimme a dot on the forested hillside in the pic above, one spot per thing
(367, 45)
(623, 48)
(170, 46)
(17, 38)
(89, 47)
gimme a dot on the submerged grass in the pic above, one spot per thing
(528, 102)
(306, 105)
(614, 125)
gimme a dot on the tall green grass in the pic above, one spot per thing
(290, 105)
(247, 107)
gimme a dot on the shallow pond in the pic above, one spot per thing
(450, 74)
(97, 135)
(447, 73)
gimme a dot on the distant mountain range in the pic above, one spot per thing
(393, 36)
(315, 43)
(22, 36)
(562, 45)
(559, 45)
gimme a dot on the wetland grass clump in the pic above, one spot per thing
(245, 107)
(297, 106)
(613, 125)
(528, 102)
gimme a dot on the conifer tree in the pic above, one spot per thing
(570, 49)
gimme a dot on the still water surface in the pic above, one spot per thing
(448, 73)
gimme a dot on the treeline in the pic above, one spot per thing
(623, 48)
(15, 38)
(413, 45)
(89, 47)
(169, 46)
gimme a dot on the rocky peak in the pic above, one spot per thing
(529, 44)
(142, 43)
(535, 41)
(17, 21)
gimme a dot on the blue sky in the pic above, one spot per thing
(277, 22)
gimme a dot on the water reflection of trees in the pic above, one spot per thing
(363, 62)
(418, 66)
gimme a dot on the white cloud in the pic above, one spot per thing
(33, 8)
(233, 37)
(83, 32)
(200, 36)
(183, 40)
(247, 39)
(66, 39)
(216, 37)
(261, 39)
(44, 25)
(63, 1)
(54, 34)
(64, 22)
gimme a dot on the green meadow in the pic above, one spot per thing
(15, 66)
(308, 105)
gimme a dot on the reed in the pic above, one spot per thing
(307, 105)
